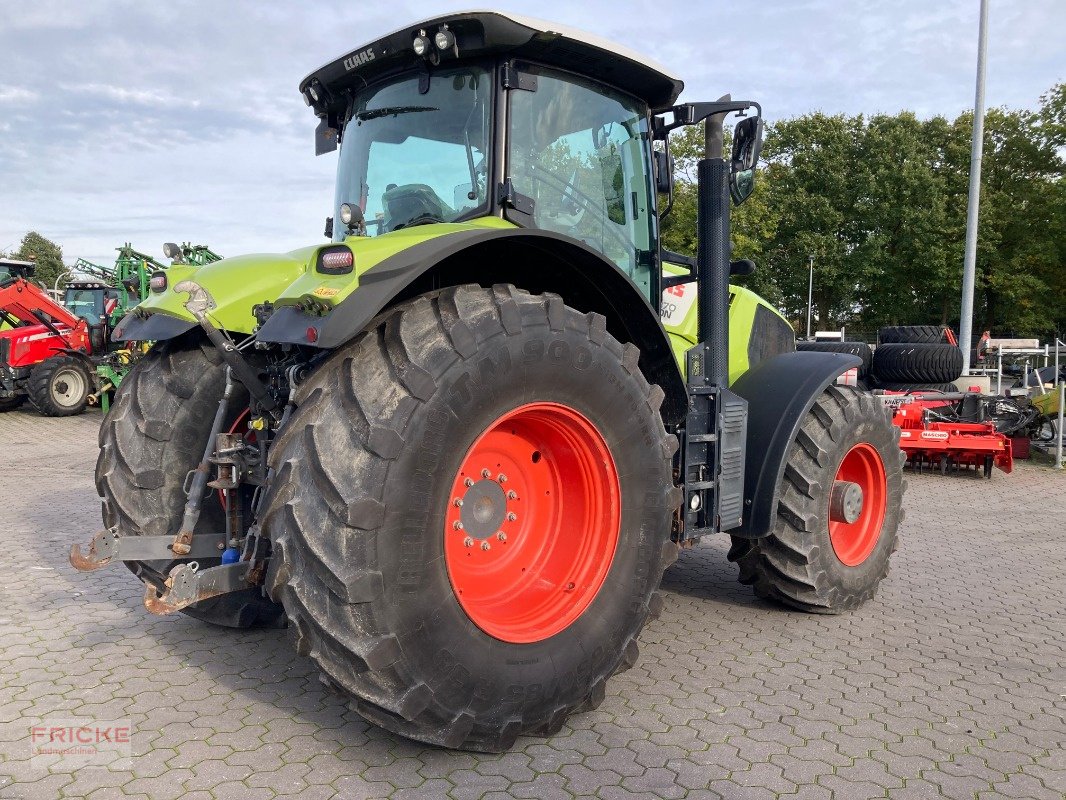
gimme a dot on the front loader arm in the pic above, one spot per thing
(25, 301)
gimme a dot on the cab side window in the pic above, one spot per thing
(580, 151)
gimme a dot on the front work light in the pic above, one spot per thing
(346, 214)
(444, 39)
(421, 44)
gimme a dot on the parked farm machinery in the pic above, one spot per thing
(60, 355)
(456, 447)
(949, 431)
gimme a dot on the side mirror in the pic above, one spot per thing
(741, 185)
(328, 232)
(747, 145)
(664, 171)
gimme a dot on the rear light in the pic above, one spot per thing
(158, 282)
(336, 261)
(312, 334)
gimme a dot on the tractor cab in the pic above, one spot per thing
(94, 302)
(475, 115)
(11, 268)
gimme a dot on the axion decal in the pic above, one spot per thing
(358, 59)
(677, 300)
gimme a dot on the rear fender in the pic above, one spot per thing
(780, 392)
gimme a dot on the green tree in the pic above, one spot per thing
(47, 254)
(881, 204)
(752, 222)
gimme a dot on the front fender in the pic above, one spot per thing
(780, 392)
(236, 284)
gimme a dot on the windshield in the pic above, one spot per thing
(410, 158)
(85, 303)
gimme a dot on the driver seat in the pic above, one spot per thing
(403, 204)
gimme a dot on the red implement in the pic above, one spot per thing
(946, 444)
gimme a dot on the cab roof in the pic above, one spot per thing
(493, 33)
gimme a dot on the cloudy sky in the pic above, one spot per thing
(150, 121)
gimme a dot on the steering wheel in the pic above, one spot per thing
(571, 192)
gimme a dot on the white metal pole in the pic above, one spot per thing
(810, 295)
(969, 266)
(1058, 432)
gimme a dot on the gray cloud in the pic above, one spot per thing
(147, 122)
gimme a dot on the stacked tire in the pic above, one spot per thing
(860, 349)
(915, 358)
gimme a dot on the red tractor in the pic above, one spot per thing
(46, 348)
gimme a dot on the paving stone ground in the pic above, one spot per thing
(952, 683)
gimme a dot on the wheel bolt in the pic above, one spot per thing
(501, 478)
(469, 482)
(458, 502)
(485, 473)
(512, 494)
(458, 525)
(485, 545)
(501, 536)
(468, 542)
(511, 517)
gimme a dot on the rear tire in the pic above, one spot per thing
(808, 561)
(60, 386)
(153, 435)
(367, 554)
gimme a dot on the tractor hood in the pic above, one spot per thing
(300, 278)
(18, 348)
(235, 284)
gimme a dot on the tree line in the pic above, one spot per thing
(880, 202)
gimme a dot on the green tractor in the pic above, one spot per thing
(455, 448)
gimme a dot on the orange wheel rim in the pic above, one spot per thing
(854, 541)
(532, 522)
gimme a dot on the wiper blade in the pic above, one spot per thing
(388, 111)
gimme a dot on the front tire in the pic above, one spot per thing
(12, 403)
(412, 604)
(60, 386)
(813, 559)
